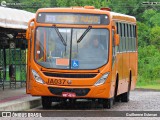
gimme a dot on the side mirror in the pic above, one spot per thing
(117, 40)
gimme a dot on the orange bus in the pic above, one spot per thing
(81, 53)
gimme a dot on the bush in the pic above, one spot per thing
(148, 65)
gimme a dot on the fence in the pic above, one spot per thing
(13, 64)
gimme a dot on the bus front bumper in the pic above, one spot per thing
(101, 91)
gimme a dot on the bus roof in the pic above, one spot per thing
(14, 18)
(73, 9)
(114, 15)
(122, 17)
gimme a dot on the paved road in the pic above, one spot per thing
(139, 101)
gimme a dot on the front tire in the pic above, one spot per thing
(46, 102)
(108, 103)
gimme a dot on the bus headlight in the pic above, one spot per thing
(102, 80)
(37, 77)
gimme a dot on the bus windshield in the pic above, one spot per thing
(90, 52)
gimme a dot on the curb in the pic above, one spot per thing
(21, 106)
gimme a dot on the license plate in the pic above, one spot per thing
(56, 81)
(68, 94)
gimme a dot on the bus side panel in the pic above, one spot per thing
(125, 66)
(133, 65)
(125, 71)
(123, 82)
(120, 71)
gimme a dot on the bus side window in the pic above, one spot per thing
(118, 32)
(127, 37)
(120, 46)
(123, 37)
(132, 44)
(134, 31)
(135, 38)
(130, 40)
(117, 28)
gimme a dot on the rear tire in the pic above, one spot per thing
(46, 102)
(125, 97)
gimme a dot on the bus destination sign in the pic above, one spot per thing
(72, 18)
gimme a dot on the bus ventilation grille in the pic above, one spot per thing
(70, 75)
(77, 91)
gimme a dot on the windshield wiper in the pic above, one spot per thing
(60, 36)
(85, 32)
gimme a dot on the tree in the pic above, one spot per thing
(155, 37)
(143, 34)
(149, 57)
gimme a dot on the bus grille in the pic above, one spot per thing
(70, 75)
(77, 91)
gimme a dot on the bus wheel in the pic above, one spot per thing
(108, 103)
(125, 97)
(46, 102)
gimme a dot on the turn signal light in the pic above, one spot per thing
(89, 7)
(106, 9)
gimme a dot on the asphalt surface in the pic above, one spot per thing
(139, 101)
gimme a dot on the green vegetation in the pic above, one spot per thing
(155, 87)
(148, 17)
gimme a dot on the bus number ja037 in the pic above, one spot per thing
(56, 81)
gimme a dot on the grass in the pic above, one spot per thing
(153, 86)
(148, 83)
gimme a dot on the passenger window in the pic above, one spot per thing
(132, 41)
(131, 31)
(123, 37)
(135, 31)
(117, 28)
(127, 38)
(121, 27)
